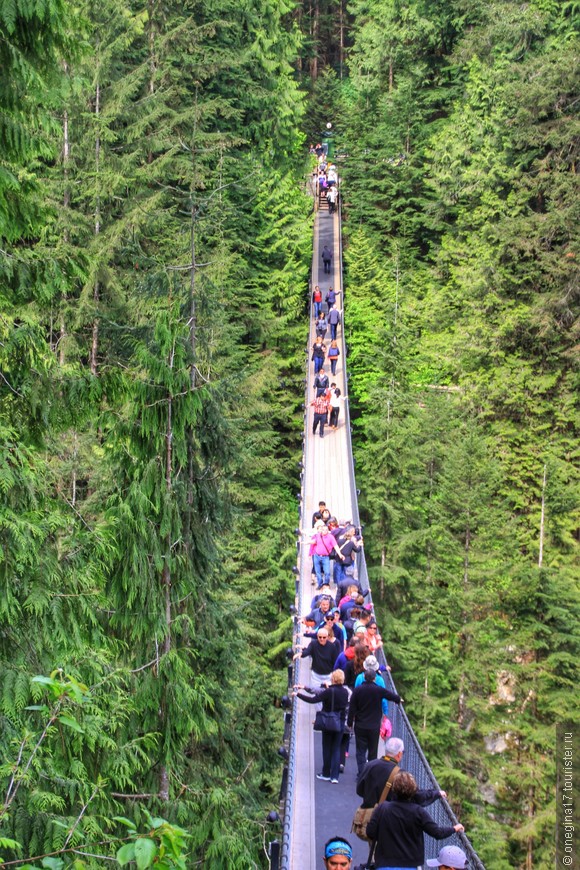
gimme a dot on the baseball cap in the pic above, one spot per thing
(449, 856)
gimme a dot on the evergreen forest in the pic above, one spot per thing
(155, 246)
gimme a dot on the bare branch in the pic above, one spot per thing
(79, 817)
(188, 267)
(79, 515)
(134, 797)
(10, 387)
(15, 784)
(144, 667)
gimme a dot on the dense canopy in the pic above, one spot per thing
(155, 236)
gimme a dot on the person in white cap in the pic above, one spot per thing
(449, 858)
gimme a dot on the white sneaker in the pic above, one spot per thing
(325, 778)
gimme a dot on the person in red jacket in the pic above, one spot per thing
(316, 301)
(320, 404)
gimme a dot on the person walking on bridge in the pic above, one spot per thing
(398, 826)
(320, 403)
(365, 712)
(326, 259)
(334, 699)
(333, 355)
(376, 773)
(322, 544)
(331, 198)
(318, 354)
(316, 301)
(321, 382)
(449, 858)
(323, 653)
(322, 325)
(333, 321)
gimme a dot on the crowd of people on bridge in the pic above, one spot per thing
(342, 640)
(326, 176)
(344, 645)
(328, 396)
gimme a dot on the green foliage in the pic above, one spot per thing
(154, 273)
(461, 230)
(163, 847)
(32, 36)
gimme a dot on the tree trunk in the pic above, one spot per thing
(428, 580)
(530, 840)
(151, 42)
(466, 557)
(164, 784)
(382, 581)
(297, 16)
(152, 58)
(341, 38)
(166, 582)
(314, 32)
(96, 290)
(73, 487)
(192, 376)
(461, 701)
(66, 204)
(192, 311)
(542, 520)
(462, 679)
(166, 577)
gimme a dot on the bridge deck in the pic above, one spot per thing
(322, 809)
(314, 811)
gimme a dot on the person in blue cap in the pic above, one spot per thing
(337, 854)
(449, 858)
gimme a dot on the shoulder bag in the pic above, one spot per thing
(363, 815)
(328, 720)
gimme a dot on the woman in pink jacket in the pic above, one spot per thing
(321, 546)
